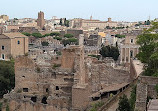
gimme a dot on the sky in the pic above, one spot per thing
(118, 10)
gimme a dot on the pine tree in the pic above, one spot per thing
(124, 104)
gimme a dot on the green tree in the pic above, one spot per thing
(1, 104)
(46, 35)
(68, 35)
(27, 34)
(147, 22)
(108, 27)
(37, 35)
(65, 42)
(61, 22)
(44, 43)
(120, 36)
(58, 38)
(7, 108)
(70, 41)
(110, 51)
(7, 76)
(124, 104)
(73, 39)
(55, 34)
(66, 22)
(148, 51)
(132, 99)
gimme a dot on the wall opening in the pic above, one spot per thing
(57, 87)
(34, 99)
(44, 100)
(131, 53)
(25, 90)
(47, 90)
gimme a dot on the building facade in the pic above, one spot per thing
(90, 23)
(13, 45)
(129, 49)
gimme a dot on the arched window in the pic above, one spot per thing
(132, 41)
(131, 53)
(18, 42)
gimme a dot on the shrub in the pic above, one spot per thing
(37, 35)
(44, 43)
(56, 65)
(27, 34)
(38, 69)
(68, 35)
(58, 38)
(55, 34)
(7, 76)
(96, 106)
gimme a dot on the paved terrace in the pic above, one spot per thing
(153, 105)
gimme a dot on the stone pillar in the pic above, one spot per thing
(137, 50)
(121, 55)
(129, 57)
(81, 39)
(125, 56)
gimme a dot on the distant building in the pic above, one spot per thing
(129, 49)
(90, 23)
(93, 40)
(3, 18)
(74, 32)
(28, 29)
(13, 45)
(40, 20)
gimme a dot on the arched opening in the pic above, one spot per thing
(34, 99)
(57, 87)
(44, 100)
(47, 90)
(131, 53)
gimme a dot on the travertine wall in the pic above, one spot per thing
(66, 87)
(80, 97)
(68, 57)
(145, 88)
(19, 49)
(7, 48)
(56, 86)
(101, 74)
(30, 106)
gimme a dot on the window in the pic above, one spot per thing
(131, 40)
(2, 47)
(3, 56)
(34, 99)
(47, 90)
(44, 100)
(57, 87)
(18, 42)
(25, 89)
(131, 53)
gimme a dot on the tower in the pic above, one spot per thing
(91, 17)
(40, 20)
(109, 19)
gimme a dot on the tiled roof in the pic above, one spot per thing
(14, 35)
(113, 87)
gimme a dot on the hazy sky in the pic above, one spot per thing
(118, 10)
